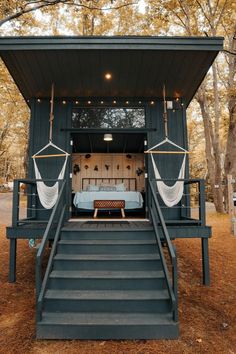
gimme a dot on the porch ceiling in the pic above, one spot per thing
(121, 143)
(139, 65)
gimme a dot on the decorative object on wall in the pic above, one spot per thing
(107, 167)
(129, 156)
(117, 167)
(86, 167)
(87, 156)
(128, 167)
(139, 171)
(76, 169)
(96, 168)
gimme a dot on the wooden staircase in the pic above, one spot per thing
(106, 284)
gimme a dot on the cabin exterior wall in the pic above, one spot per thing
(168, 165)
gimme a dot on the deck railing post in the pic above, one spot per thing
(175, 286)
(202, 210)
(15, 205)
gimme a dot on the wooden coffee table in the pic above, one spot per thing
(109, 204)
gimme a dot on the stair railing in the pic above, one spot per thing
(171, 285)
(59, 208)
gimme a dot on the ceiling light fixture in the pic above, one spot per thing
(107, 137)
(108, 76)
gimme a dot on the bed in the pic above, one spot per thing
(108, 189)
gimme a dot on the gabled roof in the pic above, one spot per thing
(139, 65)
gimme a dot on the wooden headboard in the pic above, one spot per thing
(130, 183)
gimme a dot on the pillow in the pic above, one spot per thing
(107, 188)
(120, 187)
(92, 188)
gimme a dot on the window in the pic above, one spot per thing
(108, 117)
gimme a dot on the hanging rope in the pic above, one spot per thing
(165, 112)
(51, 113)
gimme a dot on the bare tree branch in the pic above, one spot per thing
(205, 14)
(42, 4)
(221, 14)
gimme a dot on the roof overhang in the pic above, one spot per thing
(139, 65)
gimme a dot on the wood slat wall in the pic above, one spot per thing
(117, 168)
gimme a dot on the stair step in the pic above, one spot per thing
(87, 325)
(107, 301)
(106, 257)
(107, 234)
(150, 261)
(88, 318)
(107, 242)
(106, 246)
(107, 294)
(107, 274)
(109, 280)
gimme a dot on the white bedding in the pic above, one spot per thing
(85, 200)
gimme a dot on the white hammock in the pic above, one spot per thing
(171, 195)
(48, 194)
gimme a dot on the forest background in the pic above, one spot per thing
(211, 115)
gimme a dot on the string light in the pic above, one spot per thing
(38, 100)
(102, 102)
(76, 102)
(114, 101)
(152, 103)
(63, 102)
(127, 102)
(89, 102)
(139, 102)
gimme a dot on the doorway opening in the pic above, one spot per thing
(111, 170)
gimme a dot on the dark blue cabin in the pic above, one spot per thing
(107, 277)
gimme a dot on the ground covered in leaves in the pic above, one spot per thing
(207, 314)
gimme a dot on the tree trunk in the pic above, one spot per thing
(212, 152)
(230, 158)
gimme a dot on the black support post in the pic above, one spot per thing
(205, 262)
(12, 261)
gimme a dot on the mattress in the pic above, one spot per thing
(85, 199)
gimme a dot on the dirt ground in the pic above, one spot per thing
(207, 314)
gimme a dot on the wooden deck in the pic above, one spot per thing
(183, 229)
(108, 225)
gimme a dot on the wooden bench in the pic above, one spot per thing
(109, 204)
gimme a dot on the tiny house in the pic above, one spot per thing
(108, 179)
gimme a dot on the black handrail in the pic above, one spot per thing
(47, 233)
(31, 202)
(201, 199)
(172, 288)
